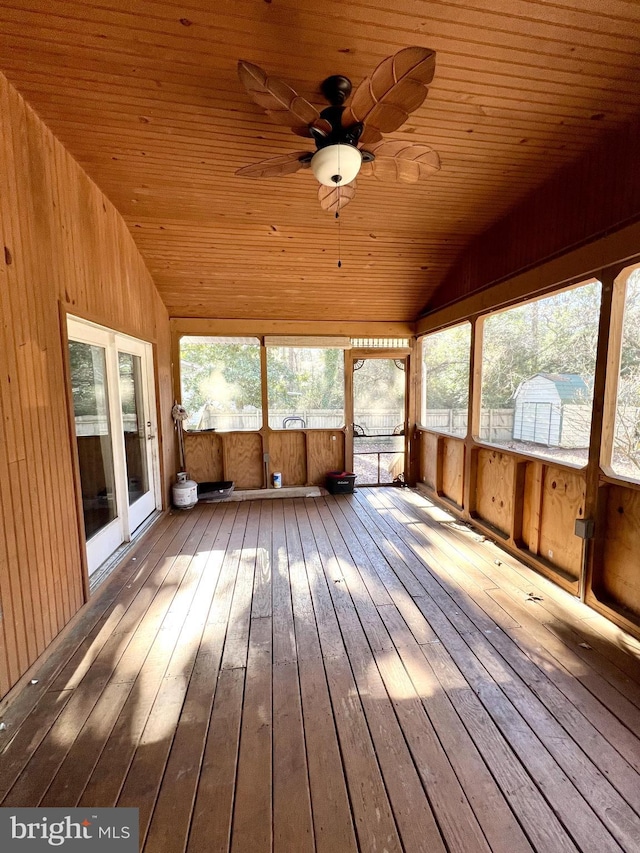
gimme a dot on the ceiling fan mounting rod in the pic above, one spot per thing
(336, 89)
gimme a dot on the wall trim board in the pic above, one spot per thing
(77, 483)
(99, 319)
(219, 326)
(618, 249)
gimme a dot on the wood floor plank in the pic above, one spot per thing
(412, 811)
(221, 605)
(549, 777)
(30, 787)
(332, 819)
(536, 815)
(372, 812)
(252, 828)
(582, 732)
(352, 584)
(614, 812)
(500, 825)
(30, 735)
(304, 619)
(19, 708)
(455, 818)
(284, 639)
(143, 566)
(292, 820)
(535, 647)
(213, 810)
(399, 594)
(111, 770)
(329, 634)
(235, 650)
(169, 827)
(152, 751)
(574, 811)
(561, 612)
(504, 764)
(603, 756)
(343, 674)
(261, 604)
(202, 647)
(361, 558)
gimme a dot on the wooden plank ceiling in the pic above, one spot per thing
(146, 96)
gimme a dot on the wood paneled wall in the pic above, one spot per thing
(582, 202)
(303, 457)
(62, 243)
(529, 506)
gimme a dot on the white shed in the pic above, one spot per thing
(553, 409)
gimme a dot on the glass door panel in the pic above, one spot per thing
(133, 425)
(379, 420)
(136, 428)
(114, 411)
(94, 440)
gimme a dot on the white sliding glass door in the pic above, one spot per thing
(115, 427)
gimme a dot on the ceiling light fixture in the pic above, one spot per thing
(336, 165)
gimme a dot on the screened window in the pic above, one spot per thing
(445, 380)
(538, 365)
(625, 460)
(305, 387)
(220, 380)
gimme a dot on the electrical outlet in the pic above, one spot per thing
(584, 528)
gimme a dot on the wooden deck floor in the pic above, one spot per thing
(339, 674)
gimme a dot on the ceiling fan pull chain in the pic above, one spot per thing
(338, 190)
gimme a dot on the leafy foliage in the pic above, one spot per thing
(226, 376)
(557, 334)
(301, 378)
(445, 368)
(223, 374)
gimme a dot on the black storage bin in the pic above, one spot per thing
(209, 492)
(340, 482)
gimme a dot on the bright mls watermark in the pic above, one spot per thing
(80, 830)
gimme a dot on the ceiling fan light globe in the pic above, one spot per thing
(336, 165)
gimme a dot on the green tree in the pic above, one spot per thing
(557, 334)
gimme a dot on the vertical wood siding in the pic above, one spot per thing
(60, 241)
(581, 202)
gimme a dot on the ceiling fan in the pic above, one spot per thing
(349, 138)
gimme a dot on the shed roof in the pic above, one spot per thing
(568, 385)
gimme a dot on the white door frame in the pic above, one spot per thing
(102, 545)
(139, 511)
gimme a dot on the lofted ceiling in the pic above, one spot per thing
(145, 95)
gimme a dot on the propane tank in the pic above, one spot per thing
(185, 492)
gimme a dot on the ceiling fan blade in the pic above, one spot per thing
(274, 167)
(334, 199)
(397, 160)
(397, 87)
(280, 101)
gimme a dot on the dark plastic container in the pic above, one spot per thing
(340, 482)
(209, 492)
